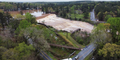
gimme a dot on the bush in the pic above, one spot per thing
(80, 41)
(81, 37)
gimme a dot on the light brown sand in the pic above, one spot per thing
(65, 24)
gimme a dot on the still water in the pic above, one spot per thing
(36, 13)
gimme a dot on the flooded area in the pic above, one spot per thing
(36, 13)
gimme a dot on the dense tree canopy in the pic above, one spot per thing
(110, 50)
(12, 6)
(30, 18)
(24, 49)
(10, 55)
(2, 50)
(107, 17)
(100, 36)
(18, 53)
(2, 20)
(23, 24)
(37, 37)
(102, 9)
(115, 28)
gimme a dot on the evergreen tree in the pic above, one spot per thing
(8, 16)
(2, 20)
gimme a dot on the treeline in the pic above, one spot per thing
(4, 19)
(12, 6)
(74, 11)
(105, 10)
(69, 10)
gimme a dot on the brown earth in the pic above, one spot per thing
(13, 13)
(43, 16)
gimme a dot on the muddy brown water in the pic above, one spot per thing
(13, 13)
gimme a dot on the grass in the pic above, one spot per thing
(51, 56)
(66, 36)
(75, 54)
(89, 15)
(1, 10)
(78, 16)
(62, 53)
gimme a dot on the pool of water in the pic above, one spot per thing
(36, 13)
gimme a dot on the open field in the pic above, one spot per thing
(65, 24)
(78, 16)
